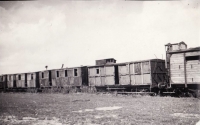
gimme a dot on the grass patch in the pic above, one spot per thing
(41, 108)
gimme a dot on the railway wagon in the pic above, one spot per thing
(3, 82)
(74, 76)
(103, 73)
(145, 74)
(183, 66)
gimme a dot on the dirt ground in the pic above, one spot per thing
(94, 109)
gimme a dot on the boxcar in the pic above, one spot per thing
(76, 76)
(138, 74)
(102, 75)
(183, 66)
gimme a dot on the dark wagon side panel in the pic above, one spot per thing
(3, 82)
(84, 75)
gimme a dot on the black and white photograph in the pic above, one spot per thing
(100, 62)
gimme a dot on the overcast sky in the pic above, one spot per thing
(34, 34)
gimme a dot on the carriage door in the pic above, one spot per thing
(14, 81)
(50, 81)
(25, 80)
(116, 75)
(192, 67)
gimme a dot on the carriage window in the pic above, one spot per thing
(75, 72)
(189, 58)
(97, 71)
(65, 73)
(19, 77)
(42, 75)
(57, 73)
(31, 76)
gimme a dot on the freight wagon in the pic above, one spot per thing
(75, 77)
(142, 75)
(183, 67)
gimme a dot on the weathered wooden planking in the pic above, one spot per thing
(193, 53)
(92, 72)
(98, 81)
(190, 66)
(109, 80)
(31, 83)
(77, 81)
(53, 74)
(137, 68)
(78, 71)
(10, 84)
(53, 82)
(124, 80)
(44, 82)
(179, 68)
(131, 69)
(109, 70)
(70, 72)
(45, 74)
(138, 80)
(145, 67)
(103, 81)
(177, 58)
(177, 55)
(175, 80)
(146, 79)
(91, 81)
(177, 75)
(62, 73)
(176, 65)
(193, 61)
(102, 72)
(123, 69)
(177, 71)
(20, 83)
(193, 73)
(133, 80)
(193, 80)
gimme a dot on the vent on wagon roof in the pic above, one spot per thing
(105, 61)
(176, 46)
